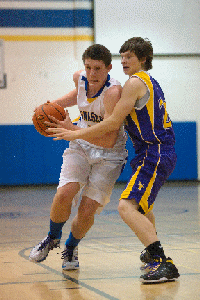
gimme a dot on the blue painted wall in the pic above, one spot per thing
(27, 158)
(46, 18)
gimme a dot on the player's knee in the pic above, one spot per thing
(125, 205)
(61, 198)
(122, 207)
(60, 195)
(66, 193)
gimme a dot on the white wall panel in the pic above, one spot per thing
(173, 26)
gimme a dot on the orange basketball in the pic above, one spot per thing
(41, 115)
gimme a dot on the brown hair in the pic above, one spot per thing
(142, 48)
(98, 52)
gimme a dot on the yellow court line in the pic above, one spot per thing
(46, 38)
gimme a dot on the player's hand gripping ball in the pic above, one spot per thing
(41, 115)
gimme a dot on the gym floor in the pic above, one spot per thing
(109, 253)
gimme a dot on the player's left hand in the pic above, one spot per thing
(67, 123)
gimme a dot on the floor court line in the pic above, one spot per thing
(67, 277)
(109, 254)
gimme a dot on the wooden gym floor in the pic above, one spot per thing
(108, 255)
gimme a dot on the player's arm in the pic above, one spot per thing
(133, 89)
(116, 119)
(111, 98)
(68, 100)
(107, 140)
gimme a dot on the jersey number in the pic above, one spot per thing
(166, 122)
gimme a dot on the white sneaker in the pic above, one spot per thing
(70, 259)
(41, 251)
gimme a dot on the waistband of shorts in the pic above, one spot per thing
(120, 150)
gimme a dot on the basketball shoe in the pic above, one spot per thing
(163, 270)
(151, 265)
(41, 251)
(70, 259)
(145, 257)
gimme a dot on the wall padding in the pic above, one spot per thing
(27, 158)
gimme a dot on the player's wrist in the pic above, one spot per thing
(81, 133)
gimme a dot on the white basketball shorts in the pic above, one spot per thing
(96, 170)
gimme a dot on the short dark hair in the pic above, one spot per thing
(98, 52)
(142, 48)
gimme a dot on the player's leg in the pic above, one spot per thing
(145, 256)
(161, 268)
(60, 212)
(84, 219)
(148, 176)
(96, 194)
(165, 270)
(74, 172)
(62, 202)
(151, 217)
(82, 222)
(140, 224)
(138, 197)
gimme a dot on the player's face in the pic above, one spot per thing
(131, 64)
(96, 72)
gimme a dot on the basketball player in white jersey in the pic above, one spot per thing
(89, 168)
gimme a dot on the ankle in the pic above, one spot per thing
(155, 249)
(72, 242)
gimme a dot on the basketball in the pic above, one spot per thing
(41, 115)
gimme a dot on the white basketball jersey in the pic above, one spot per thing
(92, 109)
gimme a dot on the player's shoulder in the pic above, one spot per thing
(77, 74)
(114, 90)
(133, 83)
(113, 93)
(112, 81)
(113, 84)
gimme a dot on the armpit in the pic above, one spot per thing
(139, 104)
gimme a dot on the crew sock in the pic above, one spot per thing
(71, 242)
(56, 229)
